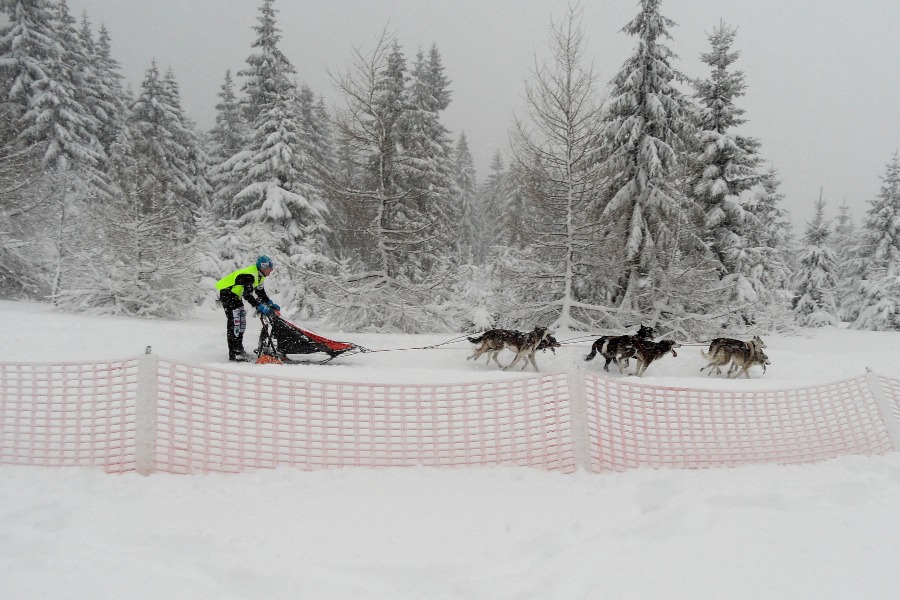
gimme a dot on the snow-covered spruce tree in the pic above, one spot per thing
(877, 295)
(844, 242)
(428, 170)
(112, 100)
(471, 287)
(170, 159)
(493, 197)
(816, 279)
(471, 218)
(276, 195)
(315, 123)
(651, 234)
(384, 284)
(772, 261)
(42, 62)
(78, 70)
(556, 142)
(24, 200)
(517, 210)
(318, 145)
(48, 84)
(226, 139)
(724, 167)
(23, 188)
(147, 230)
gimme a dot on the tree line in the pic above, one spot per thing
(632, 201)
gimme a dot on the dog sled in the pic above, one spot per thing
(279, 338)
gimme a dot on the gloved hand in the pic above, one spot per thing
(274, 306)
(264, 309)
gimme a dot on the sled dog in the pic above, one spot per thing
(741, 363)
(618, 347)
(523, 344)
(731, 342)
(742, 355)
(549, 343)
(647, 351)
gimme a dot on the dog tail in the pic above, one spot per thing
(593, 351)
(476, 340)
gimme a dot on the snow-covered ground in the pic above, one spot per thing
(824, 531)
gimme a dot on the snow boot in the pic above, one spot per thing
(241, 356)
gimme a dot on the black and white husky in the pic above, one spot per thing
(619, 348)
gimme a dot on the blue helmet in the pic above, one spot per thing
(264, 262)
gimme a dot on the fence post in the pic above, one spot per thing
(884, 407)
(581, 438)
(145, 414)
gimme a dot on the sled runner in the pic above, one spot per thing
(279, 337)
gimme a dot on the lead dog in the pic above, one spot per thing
(523, 344)
(741, 363)
(728, 350)
(618, 347)
(731, 342)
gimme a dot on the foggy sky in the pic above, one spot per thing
(823, 90)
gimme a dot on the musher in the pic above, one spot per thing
(236, 287)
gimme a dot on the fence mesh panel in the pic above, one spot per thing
(217, 420)
(68, 414)
(892, 391)
(633, 425)
(204, 419)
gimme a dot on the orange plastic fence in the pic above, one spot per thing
(217, 420)
(72, 414)
(147, 414)
(634, 425)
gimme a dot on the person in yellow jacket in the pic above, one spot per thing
(234, 288)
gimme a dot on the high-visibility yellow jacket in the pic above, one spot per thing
(244, 282)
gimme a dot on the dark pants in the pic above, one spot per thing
(236, 318)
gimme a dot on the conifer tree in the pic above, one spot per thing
(112, 100)
(226, 139)
(877, 296)
(228, 135)
(41, 60)
(145, 231)
(494, 194)
(650, 230)
(170, 166)
(521, 187)
(427, 171)
(394, 281)
(272, 183)
(24, 199)
(315, 124)
(724, 167)
(471, 218)
(844, 243)
(771, 263)
(816, 279)
(48, 86)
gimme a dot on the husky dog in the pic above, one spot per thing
(523, 344)
(733, 343)
(647, 351)
(618, 347)
(741, 363)
(549, 343)
(742, 355)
